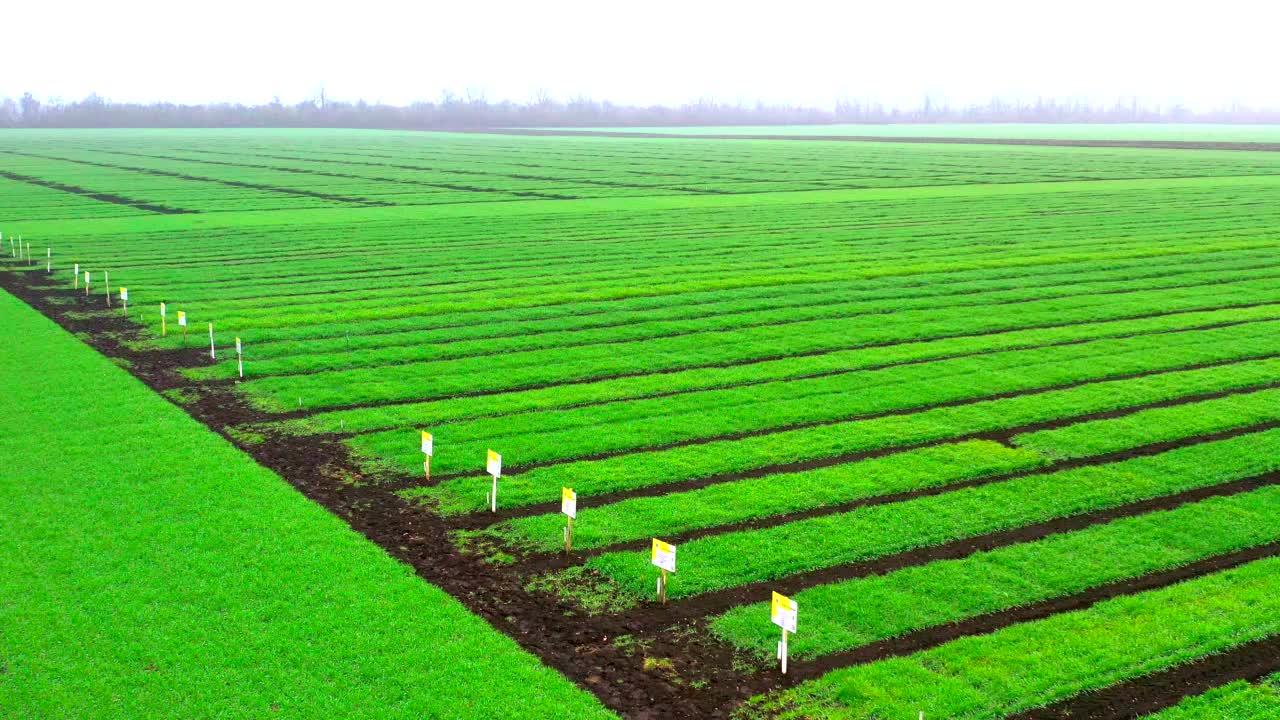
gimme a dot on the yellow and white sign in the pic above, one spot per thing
(493, 464)
(568, 502)
(664, 555)
(182, 319)
(237, 346)
(162, 310)
(427, 444)
(783, 612)
(86, 277)
(124, 294)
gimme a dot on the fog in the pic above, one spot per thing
(1201, 55)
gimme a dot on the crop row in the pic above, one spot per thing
(750, 556)
(1038, 663)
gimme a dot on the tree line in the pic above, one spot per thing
(454, 112)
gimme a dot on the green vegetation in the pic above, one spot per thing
(736, 558)
(1237, 701)
(149, 569)
(785, 357)
(848, 614)
(1034, 664)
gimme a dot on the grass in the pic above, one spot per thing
(151, 570)
(1038, 663)
(736, 558)
(1238, 701)
(706, 339)
(846, 615)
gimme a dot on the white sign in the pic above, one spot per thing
(182, 318)
(86, 277)
(664, 555)
(493, 465)
(568, 502)
(124, 294)
(427, 443)
(783, 612)
(161, 309)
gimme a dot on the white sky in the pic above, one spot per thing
(1202, 54)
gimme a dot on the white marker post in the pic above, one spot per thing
(428, 446)
(106, 283)
(783, 612)
(239, 357)
(182, 323)
(48, 267)
(76, 274)
(164, 323)
(664, 557)
(86, 283)
(493, 465)
(124, 300)
(30, 260)
(213, 354)
(568, 506)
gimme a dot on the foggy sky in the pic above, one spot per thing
(1204, 55)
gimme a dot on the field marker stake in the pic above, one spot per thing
(213, 354)
(663, 555)
(783, 613)
(239, 358)
(428, 449)
(182, 323)
(164, 324)
(568, 506)
(493, 466)
(30, 260)
(76, 274)
(48, 268)
(124, 300)
(86, 283)
(106, 281)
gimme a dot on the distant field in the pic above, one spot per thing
(149, 569)
(1188, 132)
(985, 411)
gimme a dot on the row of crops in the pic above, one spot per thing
(1005, 444)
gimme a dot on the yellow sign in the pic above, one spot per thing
(664, 555)
(494, 464)
(783, 612)
(568, 502)
(426, 443)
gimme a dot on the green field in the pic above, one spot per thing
(149, 569)
(970, 405)
(1178, 132)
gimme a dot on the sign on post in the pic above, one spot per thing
(783, 612)
(86, 283)
(124, 300)
(164, 323)
(76, 275)
(182, 323)
(568, 506)
(239, 358)
(493, 466)
(428, 447)
(663, 556)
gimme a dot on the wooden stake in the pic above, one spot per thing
(48, 268)
(568, 537)
(493, 503)
(106, 281)
(213, 354)
(662, 587)
(426, 466)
